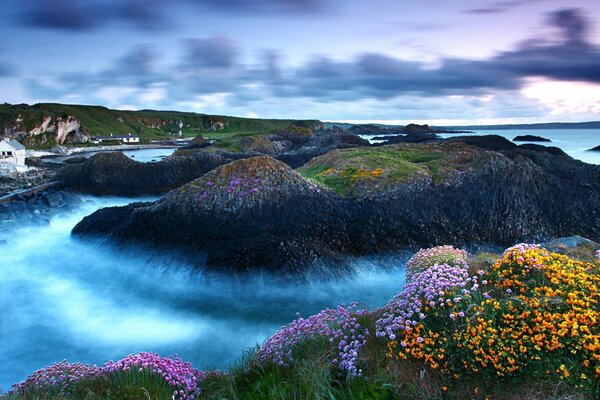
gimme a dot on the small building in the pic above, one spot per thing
(12, 151)
(115, 138)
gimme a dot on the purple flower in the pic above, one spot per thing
(339, 326)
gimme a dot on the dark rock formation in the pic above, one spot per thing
(259, 213)
(256, 211)
(372, 129)
(324, 142)
(35, 207)
(487, 142)
(530, 138)
(547, 149)
(597, 148)
(115, 173)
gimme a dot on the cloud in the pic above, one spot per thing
(500, 7)
(210, 71)
(571, 22)
(214, 52)
(79, 15)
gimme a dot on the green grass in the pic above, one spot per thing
(351, 170)
(148, 124)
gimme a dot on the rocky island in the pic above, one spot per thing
(530, 138)
(258, 212)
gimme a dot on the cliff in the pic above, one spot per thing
(47, 124)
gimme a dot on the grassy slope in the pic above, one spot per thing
(98, 120)
(367, 168)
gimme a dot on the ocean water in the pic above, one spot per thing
(63, 298)
(574, 142)
(141, 155)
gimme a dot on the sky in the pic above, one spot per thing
(391, 61)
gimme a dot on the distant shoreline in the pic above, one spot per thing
(70, 151)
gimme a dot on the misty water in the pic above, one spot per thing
(63, 298)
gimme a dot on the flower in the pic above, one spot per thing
(339, 326)
(426, 258)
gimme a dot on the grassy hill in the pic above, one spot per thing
(365, 169)
(148, 124)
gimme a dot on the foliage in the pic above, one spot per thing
(339, 327)
(524, 326)
(425, 258)
(358, 169)
(534, 315)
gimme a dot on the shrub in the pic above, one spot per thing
(59, 378)
(168, 375)
(340, 327)
(533, 315)
(425, 258)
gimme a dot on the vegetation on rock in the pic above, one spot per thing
(360, 170)
(527, 326)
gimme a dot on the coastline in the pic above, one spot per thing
(69, 151)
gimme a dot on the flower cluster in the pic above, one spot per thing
(181, 376)
(598, 254)
(340, 326)
(425, 258)
(435, 300)
(57, 376)
(533, 313)
(545, 311)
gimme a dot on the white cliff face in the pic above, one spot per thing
(61, 128)
(42, 128)
(64, 127)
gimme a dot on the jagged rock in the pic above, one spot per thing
(488, 142)
(251, 212)
(259, 144)
(530, 138)
(597, 148)
(115, 173)
(257, 212)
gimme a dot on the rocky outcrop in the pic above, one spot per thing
(597, 148)
(35, 207)
(257, 212)
(65, 130)
(530, 138)
(115, 173)
(487, 142)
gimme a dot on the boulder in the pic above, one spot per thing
(530, 138)
(115, 173)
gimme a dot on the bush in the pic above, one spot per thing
(533, 315)
(425, 258)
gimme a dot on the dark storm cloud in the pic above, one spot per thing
(211, 65)
(80, 15)
(571, 57)
(214, 52)
(500, 7)
(572, 22)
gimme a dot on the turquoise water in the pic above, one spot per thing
(141, 155)
(63, 298)
(574, 142)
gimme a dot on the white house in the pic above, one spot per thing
(125, 139)
(12, 151)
